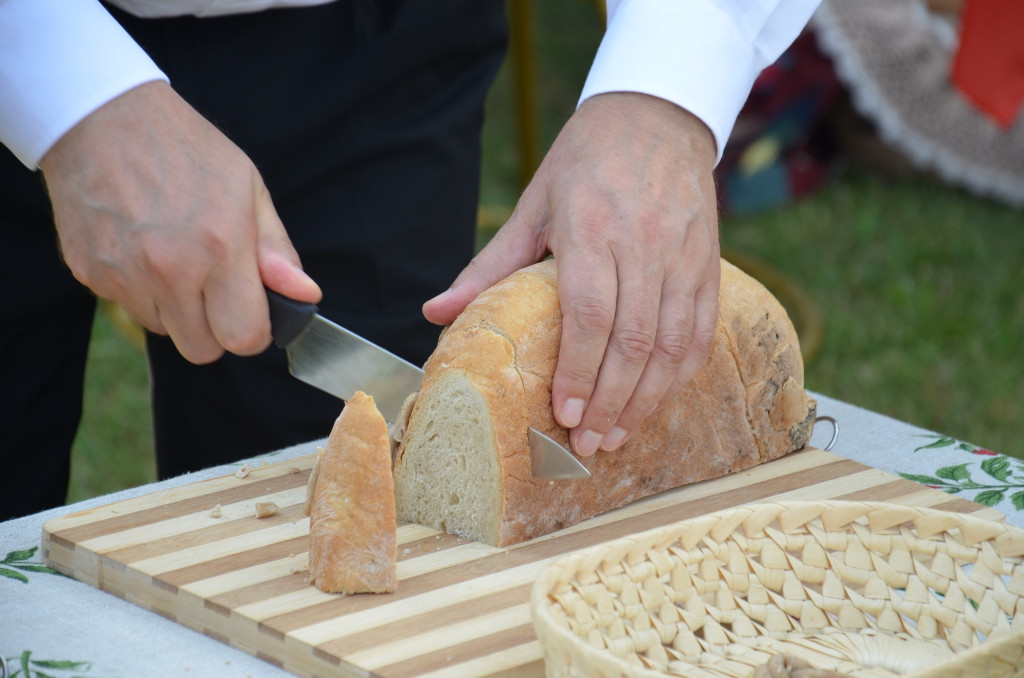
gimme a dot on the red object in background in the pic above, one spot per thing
(989, 63)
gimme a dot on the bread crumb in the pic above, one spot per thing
(265, 509)
(244, 471)
(264, 463)
(216, 512)
(292, 470)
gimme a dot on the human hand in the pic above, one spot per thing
(625, 201)
(158, 211)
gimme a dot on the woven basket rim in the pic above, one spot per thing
(540, 607)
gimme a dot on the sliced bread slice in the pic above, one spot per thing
(353, 532)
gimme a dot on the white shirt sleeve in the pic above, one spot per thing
(59, 61)
(703, 55)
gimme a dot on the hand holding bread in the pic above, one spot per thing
(463, 464)
(626, 203)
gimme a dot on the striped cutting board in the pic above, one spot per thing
(461, 608)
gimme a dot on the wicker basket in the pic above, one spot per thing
(863, 589)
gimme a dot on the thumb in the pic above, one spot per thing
(279, 265)
(517, 244)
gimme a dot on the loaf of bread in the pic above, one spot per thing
(353, 533)
(463, 463)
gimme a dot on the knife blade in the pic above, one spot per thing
(340, 362)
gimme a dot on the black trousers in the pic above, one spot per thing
(364, 119)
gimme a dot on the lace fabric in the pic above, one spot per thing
(895, 59)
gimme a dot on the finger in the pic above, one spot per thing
(184, 318)
(705, 324)
(629, 348)
(516, 244)
(236, 310)
(234, 296)
(587, 291)
(226, 310)
(278, 262)
(670, 347)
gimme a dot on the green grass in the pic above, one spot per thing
(114, 446)
(918, 286)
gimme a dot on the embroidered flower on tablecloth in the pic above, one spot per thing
(24, 666)
(991, 480)
(945, 441)
(16, 563)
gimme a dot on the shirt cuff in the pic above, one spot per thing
(694, 54)
(60, 60)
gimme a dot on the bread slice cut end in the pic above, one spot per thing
(353, 532)
(447, 474)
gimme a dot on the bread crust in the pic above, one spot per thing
(745, 406)
(353, 544)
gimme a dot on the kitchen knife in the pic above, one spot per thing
(333, 359)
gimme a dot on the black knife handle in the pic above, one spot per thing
(288, 317)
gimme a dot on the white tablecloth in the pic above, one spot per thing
(51, 625)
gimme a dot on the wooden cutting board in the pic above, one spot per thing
(461, 609)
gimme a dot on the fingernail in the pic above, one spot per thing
(298, 269)
(588, 442)
(443, 295)
(614, 439)
(572, 413)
